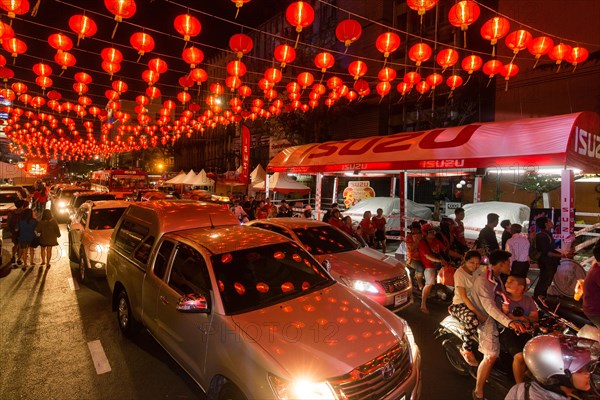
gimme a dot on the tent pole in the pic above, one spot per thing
(393, 186)
(266, 186)
(318, 195)
(335, 190)
(477, 189)
(402, 195)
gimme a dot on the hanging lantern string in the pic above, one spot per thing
(35, 8)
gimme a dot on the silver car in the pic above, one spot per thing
(368, 271)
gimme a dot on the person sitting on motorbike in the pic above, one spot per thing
(412, 252)
(463, 309)
(561, 367)
(521, 307)
(486, 287)
(430, 250)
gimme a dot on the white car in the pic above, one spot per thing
(89, 235)
(476, 216)
(391, 210)
(7, 204)
(381, 278)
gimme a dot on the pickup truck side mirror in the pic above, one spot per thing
(193, 303)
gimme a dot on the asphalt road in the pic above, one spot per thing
(60, 340)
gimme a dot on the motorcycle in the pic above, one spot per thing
(501, 377)
(442, 290)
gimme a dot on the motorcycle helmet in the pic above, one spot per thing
(553, 358)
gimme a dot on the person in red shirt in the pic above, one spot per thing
(379, 222)
(430, 250)
(347, 225)
(336, 218)
(367, 230)
(458, 231)
(412, 251)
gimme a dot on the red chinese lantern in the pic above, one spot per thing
(110, 54)
(319, 88)
(84, 101)
(153, 92)
(193, 56)
(83, 26)
(362, 88)
(421, 6)
(508, 71)
(447, 58)
(184, 97)
(14, 7)
(65, 60)
(238, 5)
(188, 26)
(348, 31)
(83, 77)
(517, 41)
(463, 14)
(387, 43)
(142, 42)
(412, 78)
(403, 88)
(383, 88)
(54, 95)
(471, 63)
(110, 68)
(577, 55)
(300, 15)
(494, 29)
(540, 46)
(19, 88)
(357, 69)
(273, 75)
(559, 52)
(265, 84)
(42, 69)
(236, 68)
(492, 67)
(434, 80)
(15, 47)
(453, 82)
(198, 75)
(334, 82)
(293, 87)
(217, 89)
(60, 42)
(240, 44)
(112, 95)
(422, 87)
(121, 9)
(419, 53)
(80, 88)
(386, 74)
(285, 54)
(305, 79)
(158, 65)
(324, 61)
(233, 82)
(244, 91)
(38, 101)
(120, 86)
(43, 82)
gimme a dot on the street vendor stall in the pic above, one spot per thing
(566, 141)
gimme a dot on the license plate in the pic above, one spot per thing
(400, 299)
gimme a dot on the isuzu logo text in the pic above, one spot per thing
(587, 144)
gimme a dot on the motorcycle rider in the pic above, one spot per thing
(486, 287)
(463, 309)
(561, 367)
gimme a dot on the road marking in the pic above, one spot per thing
(73, 284)
(99, 357)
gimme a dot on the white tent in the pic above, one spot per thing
(281, 183)
(258, 175)
(189, 178)
(202, 180)
(177, 179)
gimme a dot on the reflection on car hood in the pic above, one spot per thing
(323, 334)
(365, 264)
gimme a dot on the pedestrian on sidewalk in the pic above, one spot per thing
(13, 220)
(26, 228)
(49, 232)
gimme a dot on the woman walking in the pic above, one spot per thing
(49, 232)
(26, 227)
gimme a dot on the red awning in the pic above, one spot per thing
(571, 140)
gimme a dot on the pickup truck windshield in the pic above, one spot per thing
(324, 240)
(254, 278)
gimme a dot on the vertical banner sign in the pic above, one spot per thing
(402, 196)
(335, 190)
(318, 195)
(245, 154)
(567, 209)
(477, 190)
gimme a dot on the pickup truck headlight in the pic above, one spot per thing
(301, 389)
(408, 333)
(364, 286)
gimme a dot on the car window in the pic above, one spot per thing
(162, 258)
(324, 240)
(143, 252)
(105, 218)
(273, 228)
(130, 235)
(189, 273)
(250, 279)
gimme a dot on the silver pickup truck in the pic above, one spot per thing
(250, 314)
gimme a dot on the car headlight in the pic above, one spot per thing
(364, 286)
(62, 204)
(102, 248)
(301, 389)
(408, 333)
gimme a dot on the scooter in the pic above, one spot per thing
(442, 290)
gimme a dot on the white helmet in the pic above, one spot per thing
(550, 356)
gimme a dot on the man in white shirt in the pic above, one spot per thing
(518, 246)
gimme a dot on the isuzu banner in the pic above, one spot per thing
(566, 140)
(245, 173)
